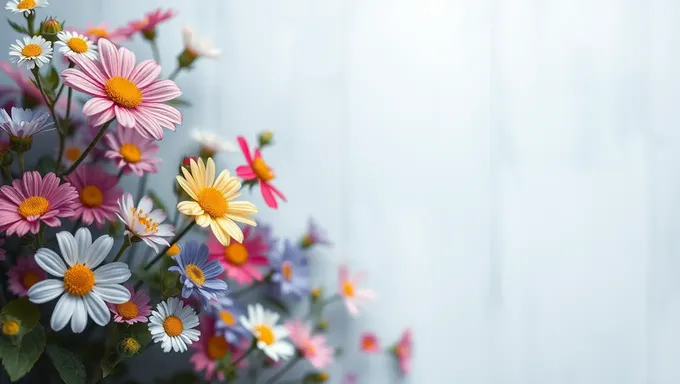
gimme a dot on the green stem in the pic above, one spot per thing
(120, 174)
(126, 244)
(62, 135)
(6, 174)
(30, 19)
(173, 242)
(283, 371)
(154, 50)
(50, 105)
(68, 102)
(89, 148)
(174, 73)
(20, 156)
(234, 363)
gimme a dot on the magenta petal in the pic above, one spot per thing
(96, 105)
(245, 172)
(277, 192)
(146, 72)
(108, 54)
(244, 148)
(79, 81)
(99, 119)
(268, 195)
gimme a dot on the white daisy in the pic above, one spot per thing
(172, 324)
(86, 289)
(143, 221)
(76, 44)
(24, 122)
(211, 143)
(18, 6)
(32, 51)
(270, 337)
(199, 47)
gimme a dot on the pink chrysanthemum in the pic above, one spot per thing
(24, 275)
(122, 89)
(211, 348)
(349, 291)
(136, 310)
(403, 351)
(370, 343)
(102, 31)
(242, 261)
(27, 90)
(131, 151)
(258, 170)
(148, 24)
(34, 199)
(313, 347)
(97, 192)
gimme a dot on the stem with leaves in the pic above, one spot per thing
(89, 148)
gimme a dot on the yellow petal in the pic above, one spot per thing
(190, 208)
(242, 219)
(223, 181)
(198, 172)
(186, 187)
(231, 228)
(241, 208)
(219, 233)
(203, 220)
(210, 172)
(191, 180)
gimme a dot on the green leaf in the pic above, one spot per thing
(24, 312)
(51, 80)
(46, 165)
(157, 201)
(170, 284)
(179, 102)
(17, 27)
(19, 359)
(140, 331)
(69, 366)
(278, 304)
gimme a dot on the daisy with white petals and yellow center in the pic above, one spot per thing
(172, 324)
(270, 337)
(84, 287)
(212, 201)
(31, 52)
(76, 44)
(26, 6)
(143, 221)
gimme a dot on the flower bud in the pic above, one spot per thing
(173, 251)
(265, 138)
(316, 293)
(49, 29)
(319, 377)
(130, 345)
(11, 327)
(186, 58)
(149, 34)
(6, 157)
(20, 144)
(322, 325)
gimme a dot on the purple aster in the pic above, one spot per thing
(315, 235)
(290, 272)
(227, 313)
(199, 275)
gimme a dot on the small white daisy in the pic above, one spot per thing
(18, 6)
(270, 337)
(199, 47)
(76, 44)
(86, 289)
(211, 143)
(172, 324)
(143, 221)
(32, 51)
(24, 122)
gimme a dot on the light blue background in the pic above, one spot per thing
(507, 170)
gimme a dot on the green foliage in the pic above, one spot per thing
(46, 165)
(19, 359)
(19, 28)
(51, 80)
(70, 368)
(115, 351)
(22, 311)
(278, 304)
(170, 285)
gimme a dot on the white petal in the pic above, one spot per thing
(98, 251)
(63, 312)
(79, 320)
(68, 247)
(46, 290)
(112, 273)
(49, 261)
(83, 240)
(113, 293)
(97, 309)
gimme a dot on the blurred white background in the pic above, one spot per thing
(506, 170)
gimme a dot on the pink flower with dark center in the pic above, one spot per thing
(258, 170)
(121, 89)
(24, 275)
(131, 151)
(32, 200)
(136, 310)
(98, 194)
(242, 261)
(313, 347)
(149, 22)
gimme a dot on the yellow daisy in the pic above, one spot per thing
(212, 203)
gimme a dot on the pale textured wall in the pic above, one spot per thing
(507, 169)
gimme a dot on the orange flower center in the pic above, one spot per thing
(173, 326)
(127, 310)
(236, 253)
(123, 92)
(131, 153)
(173, 251)
(31, 50)
(227, 317)
(262, 170)
(309, 349)
(91, 196)
(348, 288)
(77, 45)
(26, 4)
(216, 347)
(195, 274)
(29, 279)
(150, 225)
(79, 280)
(141, 24)
(287, 270)
(99, 32)
(265, 334)
(72, 153)
(368, 343)
(11, 328)
(213, 202)
(34, 206)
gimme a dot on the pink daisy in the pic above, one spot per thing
(23, 275)
(131, 151)
(370, 343)
(34, 199)
(96, 32)
(259, 171)
(148, 24)
(313, 347)
(121, 89)
(349, 291)
(241, 261)
(403, 351)
(97, 192)
(211, 348)
(3, 251)
(136, 310)
(27, 90)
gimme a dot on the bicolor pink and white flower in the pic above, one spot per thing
(149, 22)
(135, 310)
(370, 343)
(24, 275)
(258, 170)
(131, 151)
(314, 348)
(242, 261)
(403, 351)
(350, 292)
(97, 192)
(144, 222)
(34, 199)
(121, 89)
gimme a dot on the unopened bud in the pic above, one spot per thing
(7, 157)
(49, 29)
(319, 377)
(149, 34)
(130, 345)
(322, 325)
(20, 144)
(265, 138)
(186, 58)
(316, 293)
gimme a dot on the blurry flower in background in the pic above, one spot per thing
(370, 343)
(211, 143)
(241, 261)
(131, 152)
(315, 235)
(147, 25)
(24, 275)
(313, 347)
(29, 94)
(351, 378)
(226, 313)
(31, 52)
(144, 222)
(350, 292)
(199, 275)
(270, 337)
(195, 47)
(172, 324)
(98, 194)
(290, 272)
(257, 170)
(25, 6)
(25, 123)
(403, 351)
(76, 44)
(3, 251)
(211, 348)
(96, 32)
(132, 311)
(73, 148)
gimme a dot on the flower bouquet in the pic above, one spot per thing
(94, 276)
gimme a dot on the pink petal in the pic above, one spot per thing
(125, 118)
(100, 119)
(96, 105)
(127, 62)
(268, 195)
(92, 69)
(108, 55)
(245, 172)
(79, 81)
(167, 112)
(146, 125)
(162, 90)
(244, 148)
(277, 192)
(144, 73)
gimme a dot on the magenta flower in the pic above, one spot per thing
(211, 348)
(97, 192)
(34, 199)
(24, 275)
(370, 343)
(148, 24)
(27, 90)
(242, 261)
(351, 294)
(136, 310)
(258, 170)
(121, 89)
(131, 151)
(313, 347)
(403, 351)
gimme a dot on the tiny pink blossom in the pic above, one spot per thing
(258, 170)
(24, 275)
(97, 194)
(404, 350)
(131, 152)
(370, 343)
(137, 310)
(242, 261)
(149, 22)
(351, 294)
(313, 347)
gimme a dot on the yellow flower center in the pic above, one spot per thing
(72, 154)
(77, 45)
(123, 92)
(99, 32)
(173, 326)
(150, 225)
(316, 293)
(216, 347)
(130, 345)
(287, 271)
(130, 153)
(348, 288)
(323, 377)
(127, 310)
(26, 4)
(213, 202)
(195, 274)
(31, 50)
(236, 253)
(228, 318)
(262, 170)
(79, 280)
(29, 279)
(10, 328)
(265, 334)
(91, 196)
(307, 241)
(173, 251)
(34, 206)
(309, 349)
(141, 24)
